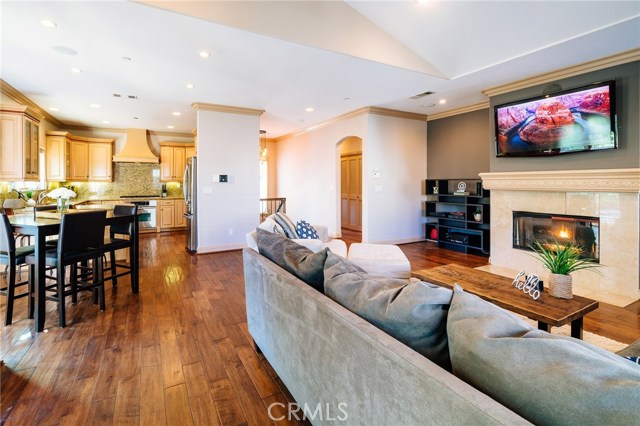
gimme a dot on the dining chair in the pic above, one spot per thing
(13, 256)
(25, 240)
(80, 240)
(113, 242)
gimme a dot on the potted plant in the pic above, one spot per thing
(561, 260)
(477, 214)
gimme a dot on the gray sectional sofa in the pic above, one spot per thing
(343, 370)
(328, 356)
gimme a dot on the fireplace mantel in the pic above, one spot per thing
(602, 180)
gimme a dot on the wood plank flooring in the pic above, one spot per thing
(177, 353)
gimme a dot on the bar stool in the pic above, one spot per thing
(80, 240)
(13, 256)
(113, 243)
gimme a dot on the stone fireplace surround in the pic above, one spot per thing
(613, 195)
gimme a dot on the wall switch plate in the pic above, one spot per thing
(224, 178)
(207, 190)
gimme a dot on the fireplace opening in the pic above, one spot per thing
(549, 229)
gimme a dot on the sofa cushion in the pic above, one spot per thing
(414, 313)
(296, 259)
(306, 231)
(287, 225)
(546, 378)
(271, 225)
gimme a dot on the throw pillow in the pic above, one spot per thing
(270, 225)
(306, 231)
(546, 378)
(287, 225)
(296, 259)
(414, 313)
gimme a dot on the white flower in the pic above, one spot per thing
(61, 193)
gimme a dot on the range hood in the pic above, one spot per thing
(136, 149)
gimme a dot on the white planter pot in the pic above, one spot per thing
(561, 286)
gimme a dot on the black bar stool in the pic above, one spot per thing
(13, 256)
(80, 240)
(114, 243)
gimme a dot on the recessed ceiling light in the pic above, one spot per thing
(204, 54)
(48, 23)
(76, 70)
(106, 122)
(190, 86)
(176, 113)
(310, 109)
(65, 50)
(95, 105)
(442, 101)
(171, 127)
(54, 109)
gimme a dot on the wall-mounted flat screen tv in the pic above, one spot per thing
(576, 120)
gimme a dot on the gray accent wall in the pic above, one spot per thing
(627, 77)
(457, 146)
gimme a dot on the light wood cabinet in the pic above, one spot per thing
(181, 209)
(78, 158)
(190, 151)
(100, 162)
(79, 161)
(19, 146)
(171, 214)
(173, 158)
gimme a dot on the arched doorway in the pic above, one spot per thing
(350, 184)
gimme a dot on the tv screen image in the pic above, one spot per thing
(576, 120)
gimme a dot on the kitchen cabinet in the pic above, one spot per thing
(77, 158)
(100, 163)
(19, 147)
(79, 161)
(171, 214)
(190, 151)
(173, 157)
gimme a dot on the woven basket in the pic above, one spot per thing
(560, 286)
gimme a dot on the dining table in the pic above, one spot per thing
(40, 227)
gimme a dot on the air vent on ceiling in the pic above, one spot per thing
(132, 97)
(422, 95)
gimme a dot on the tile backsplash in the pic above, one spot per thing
(128, 179)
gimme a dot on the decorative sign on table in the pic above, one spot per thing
(531, 284)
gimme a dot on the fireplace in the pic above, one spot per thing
(610, 195)
(553, 229)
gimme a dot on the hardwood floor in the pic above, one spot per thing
(177, 353)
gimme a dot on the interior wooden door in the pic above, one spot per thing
(351, 191)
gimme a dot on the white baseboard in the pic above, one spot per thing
(221, 247)
(400, 241)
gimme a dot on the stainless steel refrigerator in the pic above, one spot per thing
(189, 187)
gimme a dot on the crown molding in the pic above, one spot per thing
(115, 130)
(353, 114)
(78, 138)
(12, 93)
(458, 111)
(202, 106)
(602, 180)
(610, 61)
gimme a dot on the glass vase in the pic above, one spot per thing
(63, 205)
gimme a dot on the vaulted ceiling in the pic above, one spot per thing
(287, 57)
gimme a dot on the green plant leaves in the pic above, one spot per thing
(562, 258)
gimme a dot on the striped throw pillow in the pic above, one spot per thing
(286, 224)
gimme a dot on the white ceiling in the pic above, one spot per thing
(283, 57)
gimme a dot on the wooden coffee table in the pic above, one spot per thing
(549, 311)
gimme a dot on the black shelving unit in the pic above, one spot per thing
(451, 221)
